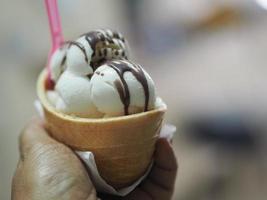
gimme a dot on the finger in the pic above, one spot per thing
(33, 134)
(165, 166)
(161, 180)
(165, 156)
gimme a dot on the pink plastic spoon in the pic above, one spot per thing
(56, 34)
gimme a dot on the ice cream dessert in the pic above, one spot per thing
(103, 102)
(93, 78)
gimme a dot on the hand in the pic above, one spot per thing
(49, 170)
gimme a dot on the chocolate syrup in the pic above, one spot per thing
(80, 46)
(122, 66)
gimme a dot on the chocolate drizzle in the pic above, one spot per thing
(105, 45)
(80, 46)
(122, 66)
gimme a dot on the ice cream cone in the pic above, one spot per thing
(123, 146)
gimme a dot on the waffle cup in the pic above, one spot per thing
(123, 147)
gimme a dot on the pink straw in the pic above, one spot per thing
(56, 31)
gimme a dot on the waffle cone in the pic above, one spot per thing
(123, 146)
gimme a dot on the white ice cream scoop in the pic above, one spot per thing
(70, 66)
(72, 96)
(122, 87)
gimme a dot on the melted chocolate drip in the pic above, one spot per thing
(122, 66)
(80, 46)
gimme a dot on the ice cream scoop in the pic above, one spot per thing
(74, 96)
(121, 87)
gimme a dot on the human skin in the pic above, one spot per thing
(49, 170)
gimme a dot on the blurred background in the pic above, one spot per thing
(208, 60)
